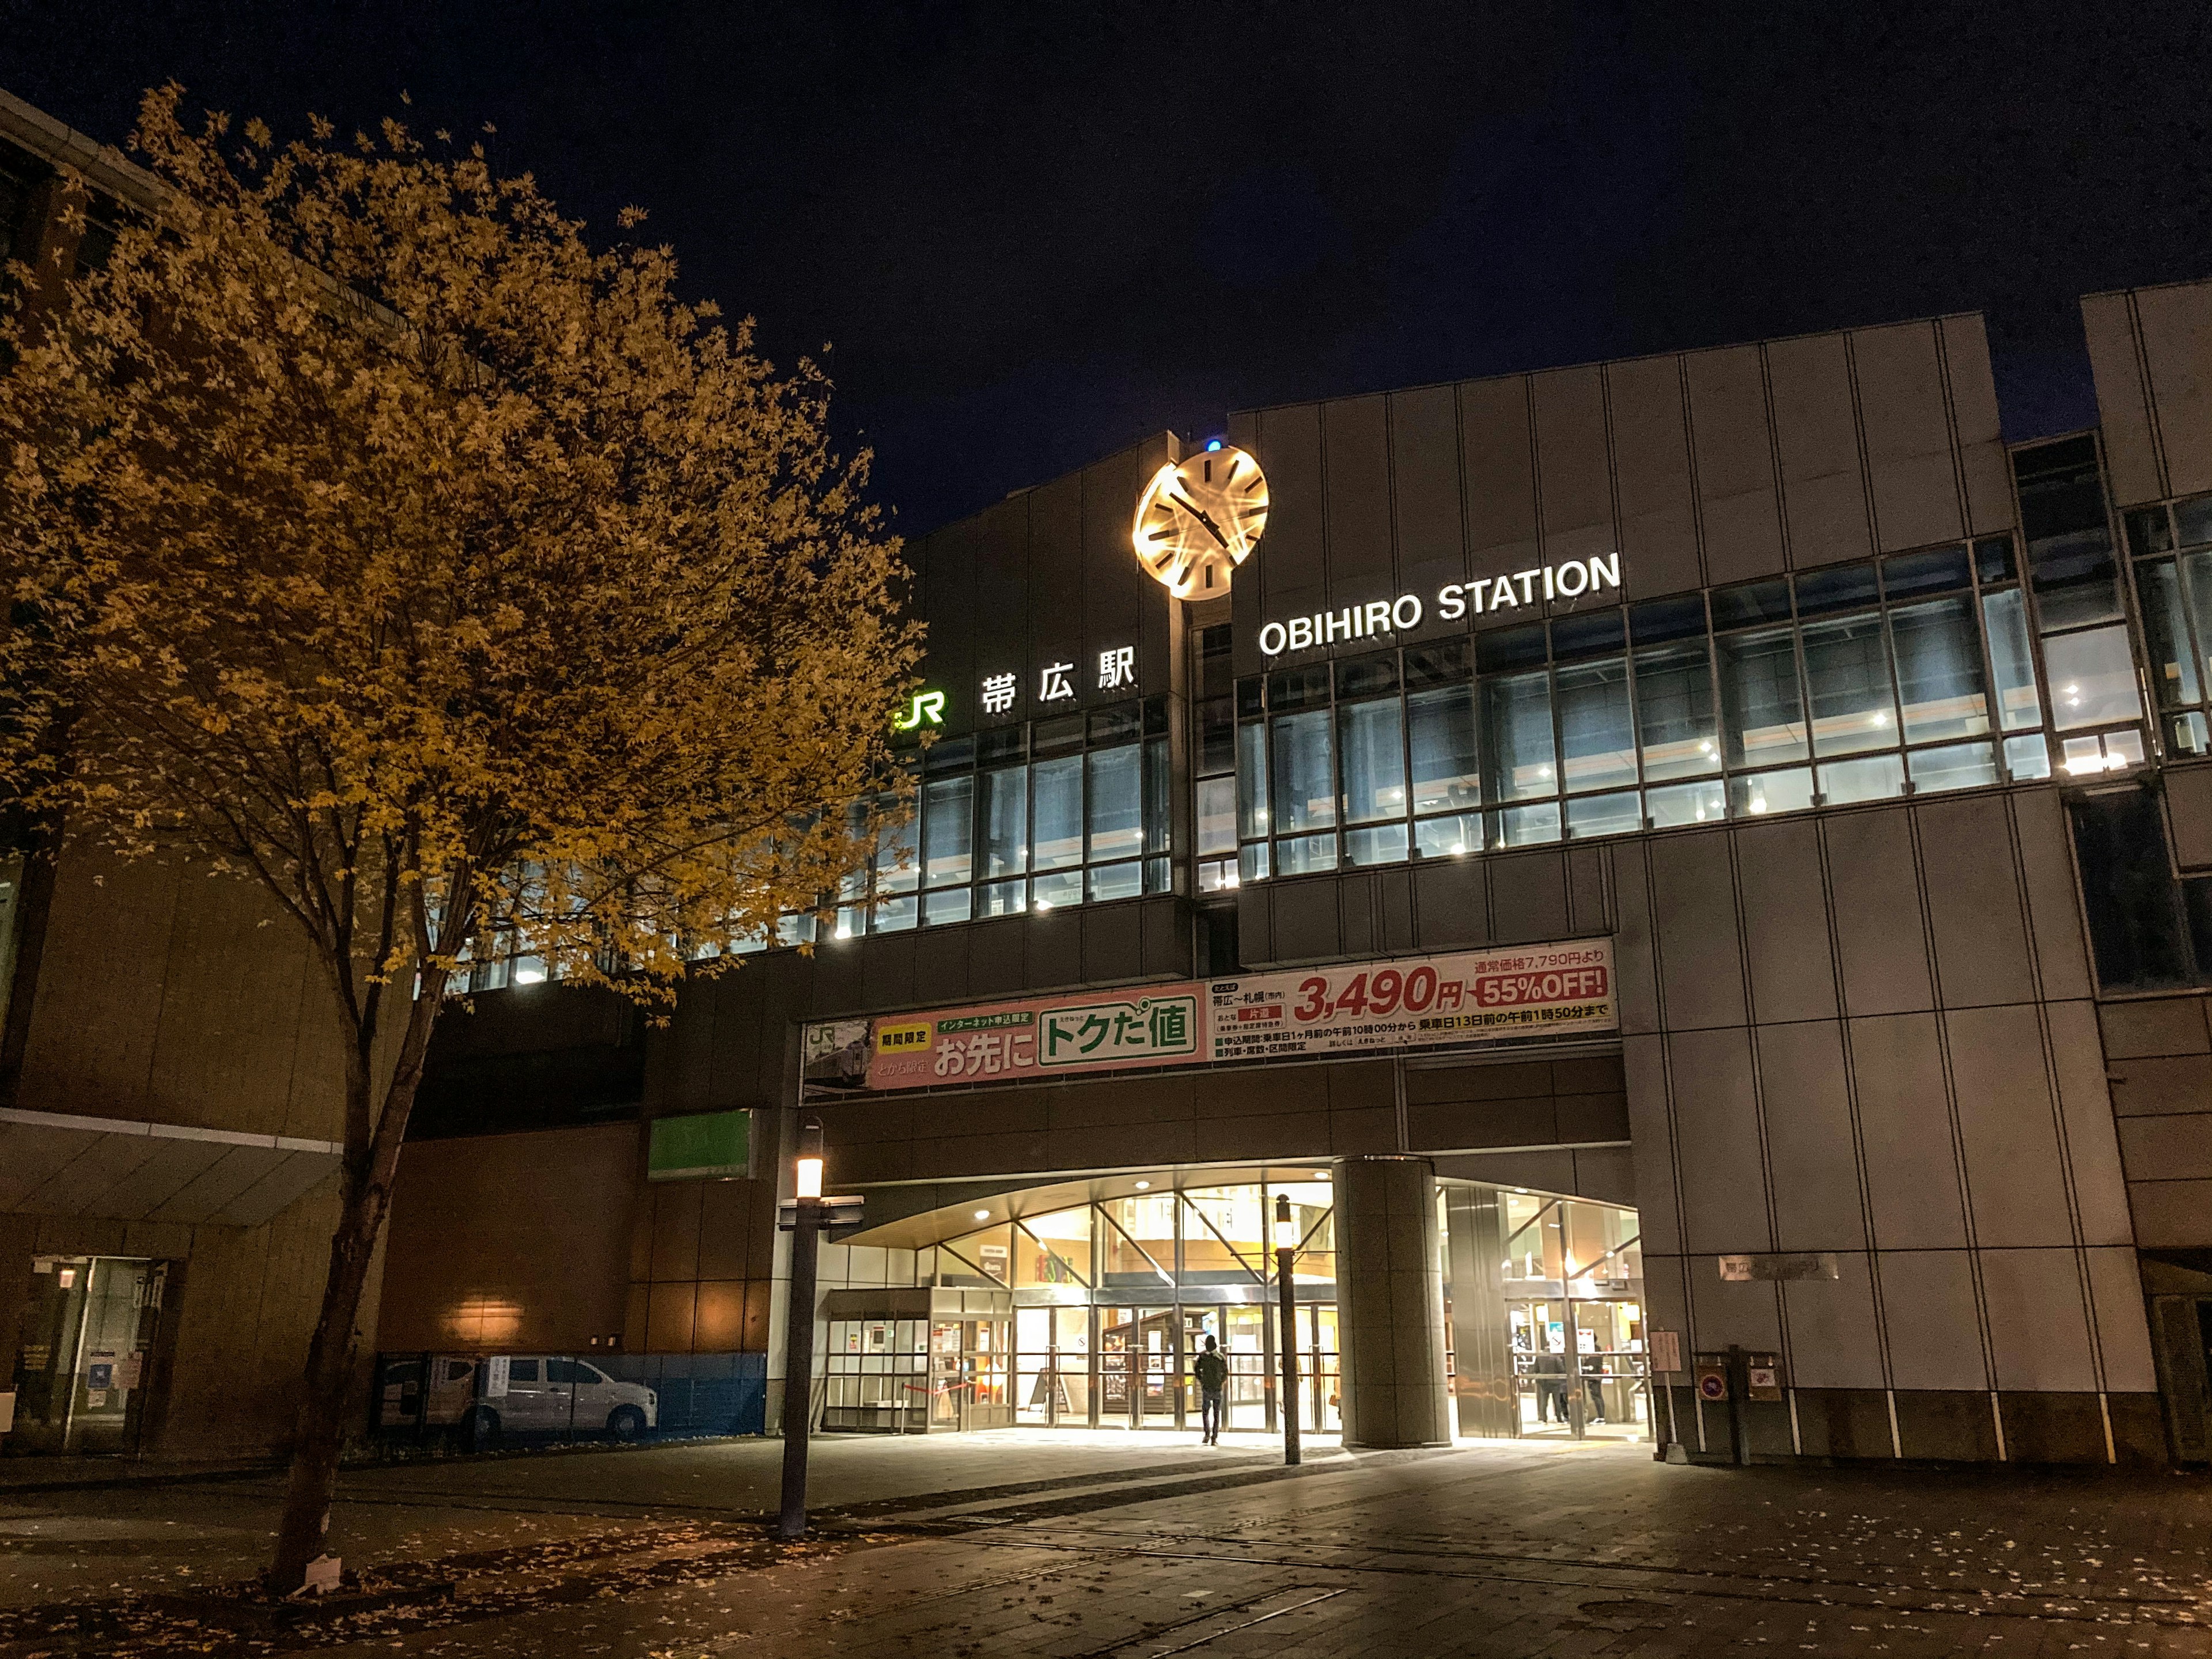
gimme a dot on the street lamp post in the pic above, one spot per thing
(799, 1338)
(1286, 1250)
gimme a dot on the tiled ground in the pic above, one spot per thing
(1155, 1548)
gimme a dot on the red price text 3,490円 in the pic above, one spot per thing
(1388, 992)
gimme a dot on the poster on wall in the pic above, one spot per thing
(1040, 1038)
(1473, 996)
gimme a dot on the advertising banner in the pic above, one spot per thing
(1039, 1037)
(1473, 996)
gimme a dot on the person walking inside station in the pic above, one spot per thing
(1212, 1373)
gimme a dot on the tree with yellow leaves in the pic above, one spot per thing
(376, 538)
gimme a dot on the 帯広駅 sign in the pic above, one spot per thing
(1473, 996)
(1469, 997)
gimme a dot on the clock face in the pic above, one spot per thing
(1198, 521)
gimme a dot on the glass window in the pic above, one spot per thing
(2172, 659)
(1441, 729)
(1674, 712)
(952, 904)
(1840, 587)
(1217, 736)
(1597, 741)
(1788, 791)
(1367, 676)
(2092, 678)
(1158, 781)
(1516, 711)
(2018, 704)
(1371, 738)
(1116, 802)
(1003, 898)
(1938, 670)
(1217, 816)
(1442, 663)
(1252, 861)
(1116, 881)
(1683, 803)
(1252, 779)
(1297, 688)
(1752, 602)
(1226, 1236)
(1993, 561)
(2193, 519)
(1306, 772)
(1056, 890)
(1056, 812)
(2149, 532)
(1759, 691)
(1528, 826)
(948, 830)
(1937, 571)
(1657, 620)
(898, 866)
(1054, 1249)
(1381, 843)
(1006, 821)
(1847, 667)
(1448, 836)
(2197, 598)
(1956, 766)
(896, 916)
(1876, 777)
(1620, 814)
(1305, 854)
(2028, 756)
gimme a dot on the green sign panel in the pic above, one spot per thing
(706, 1143)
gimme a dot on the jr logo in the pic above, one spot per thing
(929, 710)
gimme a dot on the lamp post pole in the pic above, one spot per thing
(799, 1335)
(1287, 1249)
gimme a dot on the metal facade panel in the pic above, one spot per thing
(1451, 903)
(1122, 604)
(1716, 1117)
(1879, 928)
(2188, 815)
(2177, 342)
(1816, 433)
(1834, 1340)
(2038, 1327)
(1500, 470)
(173, 1165)
(1693, 895)
(1975, 418)
(1050, 518)
(90, 1047)
(1652, 473)
(1356, 467)
(290, 1179)
(1908, 436)
(2085, 1106)
(1930, 1317)
(1974, 906)
(1801, 1078)
(1574, 480)
(2131, 459)
(2046, 863)
(1292, 573)
(1528, 895)
(1739, 1313)
(1733, 449)
(1425, 496)
(30, 1157)
(1651, 1138)
(2116, 1299)
(1634, 945)
(1785, 921)
(1905, 1125)
(2014, 1177)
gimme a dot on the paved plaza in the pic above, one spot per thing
(1136, 1546)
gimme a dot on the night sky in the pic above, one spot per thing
(1033, 234)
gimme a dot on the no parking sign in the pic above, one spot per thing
(1712, 1378)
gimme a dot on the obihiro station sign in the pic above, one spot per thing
(1467, 997)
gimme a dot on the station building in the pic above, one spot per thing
(1691, 877)
(1849, 763)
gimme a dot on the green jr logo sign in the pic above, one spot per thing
(928, 710)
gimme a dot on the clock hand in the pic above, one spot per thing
(1203, 517)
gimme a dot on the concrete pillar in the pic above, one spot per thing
(1390, 1309)
(1482, 1356)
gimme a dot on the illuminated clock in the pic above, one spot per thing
(1199, 519)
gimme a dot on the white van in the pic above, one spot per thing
(546, 1393)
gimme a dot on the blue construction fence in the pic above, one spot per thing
(482, 1402)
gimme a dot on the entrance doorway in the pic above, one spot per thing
(1573, 1284)
(84, 1366)
(2181, 1331)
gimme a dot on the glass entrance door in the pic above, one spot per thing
(84, 1362)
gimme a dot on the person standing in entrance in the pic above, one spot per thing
(1211, 1371)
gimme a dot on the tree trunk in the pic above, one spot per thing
(319, 1431)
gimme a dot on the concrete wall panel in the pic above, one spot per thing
(1823, 492)
(1908, 436)
(2085, 1109)
(2176, 341)
(1982, 459)
(1877, 911)
(1424, 472)
(1651, 1134)
(2039, 1328)
(1912, 1172)
(1651, 471)
(1834, 1341)
(2131, 461)
(1574, 479)
(1693, 890)
(1785, 921)
(1356, 454)
(1974, 902)
(1808, 1136)
(1734, 448)
(1500, 470)
(2016, 1180)
(1716, 1107)
(1929, 1314)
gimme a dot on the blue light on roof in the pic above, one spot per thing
(1213, 443)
